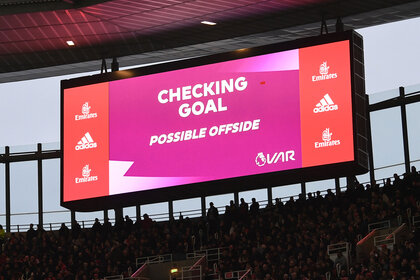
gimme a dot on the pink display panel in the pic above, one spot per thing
(267, 113)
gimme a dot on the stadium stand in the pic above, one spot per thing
(330, 237)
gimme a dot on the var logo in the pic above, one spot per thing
(263, 159)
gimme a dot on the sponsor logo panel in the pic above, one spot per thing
(324, 75)
(86, 142)
(86, 114)
(327, 140)
(326, 107)
(86, 176)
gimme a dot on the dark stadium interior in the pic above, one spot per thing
(33, 34)
(285, 240)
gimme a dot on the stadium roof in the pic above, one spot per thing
(35, 35)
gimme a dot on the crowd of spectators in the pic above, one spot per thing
(280, 241)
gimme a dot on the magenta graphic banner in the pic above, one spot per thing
(205, 123)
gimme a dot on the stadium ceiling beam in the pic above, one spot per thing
(17, 157)
(395, 102)
(47, 55)
(9, 7)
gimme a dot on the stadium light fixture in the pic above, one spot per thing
(174, 270)
(208, 22)
(70, 43)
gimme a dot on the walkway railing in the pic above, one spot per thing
(192, 273)
(240, 274)
(247, 273)
(154, 259)
(121, 277)
(416, 222)
(379, 225)
(140, 270)
(212, 254)
(165, 216)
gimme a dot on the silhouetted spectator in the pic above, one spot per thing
(290, 202)
(64, 230)
(2, 237)
(212, 217)
(243, 206)
(255, 207)
(413, 175)
(243, 209)
(212, 212)
(75, 229)
(31, 233)
(147, 222)
(128, 223)
(233, 210)
(107, 226)
(329, 194)
(96, 226)
(310, 197)
(278, 204)
(40, 229)
(397, 181)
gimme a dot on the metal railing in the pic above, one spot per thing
(153, 259)
(245, 276)
(165, 216)
(342, 247)
(416, 222)
(212, 254)
(121, 277)
(392, 238)
(198, 262)
(366, 238)
(379, 225)
(409, 92)
(140, 270)
(190, 273)
(385, 239)
(237, 274)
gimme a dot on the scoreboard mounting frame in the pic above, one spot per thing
(358, 165)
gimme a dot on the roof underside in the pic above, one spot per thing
(33, 36)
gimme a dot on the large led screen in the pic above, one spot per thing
(267, 113)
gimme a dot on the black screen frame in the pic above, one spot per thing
(357, 166)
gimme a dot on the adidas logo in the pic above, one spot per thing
(325, 104)
(86, 176)
(86, 143)
(85, 113)
(323, 71)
